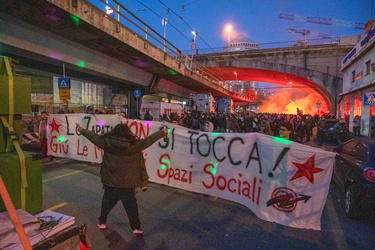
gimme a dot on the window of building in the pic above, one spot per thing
(368, 65)
(357, 105)
(347, 110)
(35, 108)
(353, 76)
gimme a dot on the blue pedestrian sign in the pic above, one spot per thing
(63, 82)
(137, 93)
(369, 98)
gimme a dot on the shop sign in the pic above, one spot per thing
(358, 48)
(64, 94)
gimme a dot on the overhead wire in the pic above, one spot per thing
(179, 6)
(186, 23)
(162, 18)
(171, 9)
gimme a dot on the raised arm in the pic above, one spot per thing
(91, 136)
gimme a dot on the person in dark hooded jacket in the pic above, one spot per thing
(122, 170)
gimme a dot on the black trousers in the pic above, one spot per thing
(129, 201)
(356, 131)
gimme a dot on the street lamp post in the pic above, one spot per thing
(164, 22)
(193, 46)
(229, 29)
(235, 73)
(195, 33)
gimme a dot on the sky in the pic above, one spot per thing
(257, 19)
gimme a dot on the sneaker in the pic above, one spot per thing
(137, 231)
(102, 226)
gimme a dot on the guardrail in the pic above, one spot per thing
(120, 13)
(274, 45)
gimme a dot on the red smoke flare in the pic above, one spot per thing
(288, 102)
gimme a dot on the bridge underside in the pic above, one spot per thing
(44, 35)
(290, 81)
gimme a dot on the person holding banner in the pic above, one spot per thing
(286, 131)
(122, 114)
(122, 170)
(208, 127)
(43, 133)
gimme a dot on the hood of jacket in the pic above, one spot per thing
(116, 145)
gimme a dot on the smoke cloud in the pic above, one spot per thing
(288, 101)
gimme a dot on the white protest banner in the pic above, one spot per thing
(279, 180)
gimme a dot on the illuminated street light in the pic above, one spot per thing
(193, 46)
(164, 22)
(229, 29)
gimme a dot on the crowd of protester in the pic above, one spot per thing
(265, 123)
(245, 122)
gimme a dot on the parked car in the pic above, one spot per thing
(354, 174)
(329, 133)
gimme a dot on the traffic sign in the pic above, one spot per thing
(64, 94)
(137, 93)
(63, 82)
(318, 102)
(369, 98)
(193, 46)
(318, 106)
(164, 21)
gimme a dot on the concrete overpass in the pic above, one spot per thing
(45, 34)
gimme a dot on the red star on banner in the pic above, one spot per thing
(306, 169)
(54, 126)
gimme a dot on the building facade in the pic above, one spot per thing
(241, 43)
(83, 95)
(358, 96)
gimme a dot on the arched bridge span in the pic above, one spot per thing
(315, 66)
(277, 77)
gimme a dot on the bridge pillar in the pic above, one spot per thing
(134, 105)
